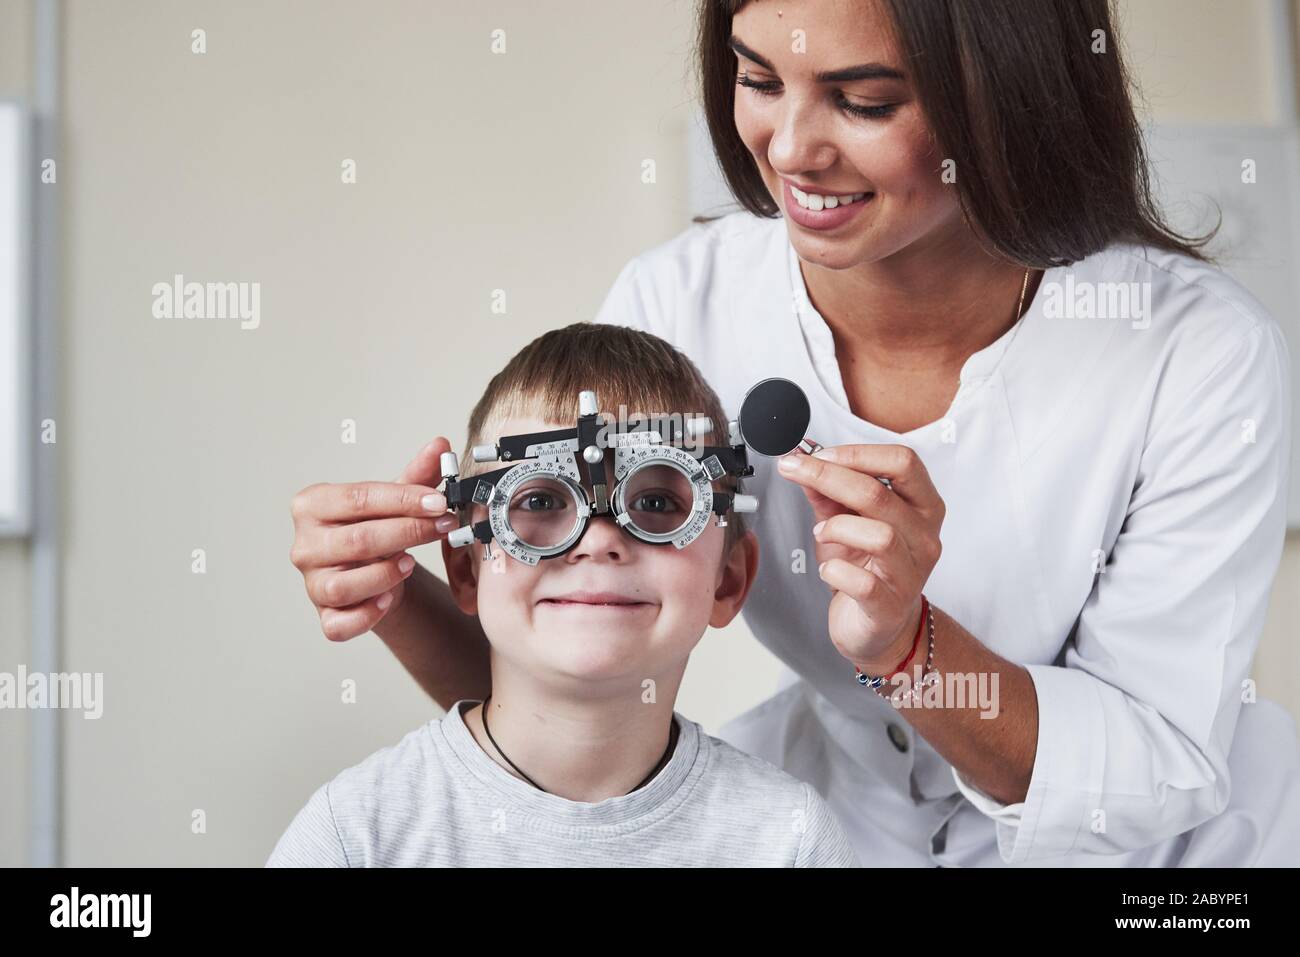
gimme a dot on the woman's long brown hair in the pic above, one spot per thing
(1050, 163)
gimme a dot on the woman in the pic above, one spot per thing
(1084, 429)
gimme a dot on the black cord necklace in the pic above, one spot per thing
(672, 740)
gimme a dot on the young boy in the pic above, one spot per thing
(579, 758)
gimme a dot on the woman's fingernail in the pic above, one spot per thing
(434, 502)
(446, 523)
(405, 564)
(821, 570)
(817, 529)
(385, 600)
(788, 463)
(827, 454)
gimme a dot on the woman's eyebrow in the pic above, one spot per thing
(864, 71)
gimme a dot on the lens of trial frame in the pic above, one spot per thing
(542, 512)
(658, 498)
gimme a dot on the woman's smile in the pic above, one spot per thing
(819, 210)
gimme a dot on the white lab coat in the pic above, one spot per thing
(1115, 492)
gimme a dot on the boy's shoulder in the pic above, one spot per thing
(370, 808)
(733, 767)
(770, 798)
(394, 768)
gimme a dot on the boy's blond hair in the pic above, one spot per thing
(622, 366)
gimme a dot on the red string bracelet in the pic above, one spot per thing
(902, 668)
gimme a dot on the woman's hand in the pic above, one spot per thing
(350, 541)
(876, 545)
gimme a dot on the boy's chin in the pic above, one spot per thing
(594, 656)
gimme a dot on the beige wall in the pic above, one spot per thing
(1202, 61)
(476, 172)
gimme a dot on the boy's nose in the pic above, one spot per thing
(602, 540)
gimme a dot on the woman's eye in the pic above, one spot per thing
(766, 87)
(869, 112)
(773, 87)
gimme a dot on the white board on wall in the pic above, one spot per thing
(1252, 173)
(15, 323)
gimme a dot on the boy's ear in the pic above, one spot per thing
(461, 579)
(735, 578)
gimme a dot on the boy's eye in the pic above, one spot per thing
(538, 501)
(655, 502)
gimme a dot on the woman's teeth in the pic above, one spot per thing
(816, 201)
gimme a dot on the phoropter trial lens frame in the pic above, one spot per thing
(560, 454)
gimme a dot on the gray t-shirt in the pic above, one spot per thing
(436, 799)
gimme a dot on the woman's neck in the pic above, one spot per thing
(583, 749)
(904, 327)
(926, 308)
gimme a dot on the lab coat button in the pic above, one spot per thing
(897, 736)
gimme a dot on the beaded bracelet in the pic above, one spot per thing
(928, 675)
(927, 618)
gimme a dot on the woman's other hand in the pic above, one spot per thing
(350, 541)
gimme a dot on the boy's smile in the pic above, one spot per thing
(604, 600)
